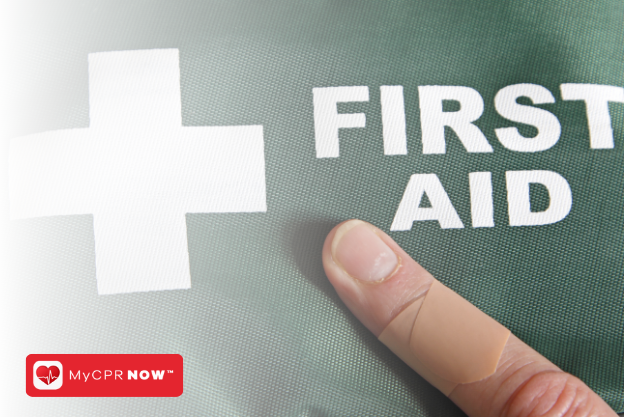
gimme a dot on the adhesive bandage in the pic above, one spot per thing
(447, 340)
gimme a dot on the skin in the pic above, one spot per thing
(524, 384)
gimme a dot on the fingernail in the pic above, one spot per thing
(358, 250)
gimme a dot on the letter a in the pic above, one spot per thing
(441, 208)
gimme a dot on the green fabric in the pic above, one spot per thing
(262, 330)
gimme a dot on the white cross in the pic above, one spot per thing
(138, 171)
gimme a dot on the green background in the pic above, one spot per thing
(261, 330)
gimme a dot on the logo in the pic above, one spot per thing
(133, 375)
(138, 171)
(48, 375)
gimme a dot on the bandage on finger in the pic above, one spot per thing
(447, 340)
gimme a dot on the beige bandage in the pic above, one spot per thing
(447, 340)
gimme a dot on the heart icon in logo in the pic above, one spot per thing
(48, 374)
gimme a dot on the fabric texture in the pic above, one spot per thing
(261, 330)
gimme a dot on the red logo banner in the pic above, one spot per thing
(104, 375)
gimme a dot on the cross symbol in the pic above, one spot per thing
(138, 171)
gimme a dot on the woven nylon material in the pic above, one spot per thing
(262, 331)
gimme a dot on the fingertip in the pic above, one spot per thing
(373, 276)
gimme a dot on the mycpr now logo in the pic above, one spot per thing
(136, 375)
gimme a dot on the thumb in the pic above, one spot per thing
(377, 280)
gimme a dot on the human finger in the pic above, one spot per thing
(378, 281)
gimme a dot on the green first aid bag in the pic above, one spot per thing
(485, 137)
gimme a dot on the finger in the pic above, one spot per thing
(376, 279)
